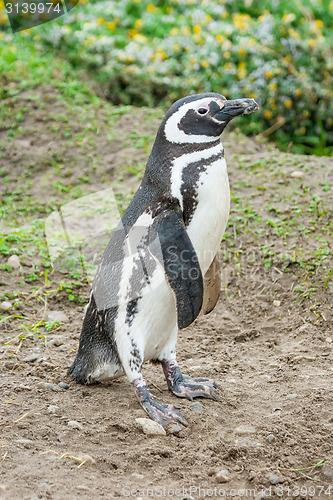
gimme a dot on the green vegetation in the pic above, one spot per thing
(280, 53)
(278, 224)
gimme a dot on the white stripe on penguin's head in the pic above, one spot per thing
(174, 134)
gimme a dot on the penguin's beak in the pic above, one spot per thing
(236, 107)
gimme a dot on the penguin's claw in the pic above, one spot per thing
(190, 389)
(163, 414)
(186, 387)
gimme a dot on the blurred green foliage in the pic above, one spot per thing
(278, 52)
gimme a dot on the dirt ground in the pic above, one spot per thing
(268, 346)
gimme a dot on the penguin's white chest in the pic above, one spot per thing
(210, 217)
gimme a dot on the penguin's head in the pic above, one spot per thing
(202, 118)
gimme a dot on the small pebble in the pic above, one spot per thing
(57, 316)
(4, 306)
(63, 385)
(138, 476)
(256, 444)
(49, 386)
(197, 407)
(270, 437)
(84, 457)
(273, 479)
(329, 340)
(292, 396)
(52, 342)
(14, 261)
(31, 358)
(73, 424)
(223, 476)
(173, 428)
(297, 174)
(27, 443)
(245, 429)
(52, 409)
(150, 427)
(62, 348)
(276, 303)
(23, 387)
(328, 473)
(2, 487)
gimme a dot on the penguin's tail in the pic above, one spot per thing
(78, 371)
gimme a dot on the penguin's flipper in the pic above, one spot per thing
(212, 285)
(173, 248)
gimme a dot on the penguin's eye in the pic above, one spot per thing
(202, 111)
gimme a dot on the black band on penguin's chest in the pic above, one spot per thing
(190, 184)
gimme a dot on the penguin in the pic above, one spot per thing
(160, 269)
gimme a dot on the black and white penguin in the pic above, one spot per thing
(155, 276)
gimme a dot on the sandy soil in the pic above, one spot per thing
(268, 347)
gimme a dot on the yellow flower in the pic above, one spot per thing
(289, 18)
(205, 63)
(168, 10)
(242, 52)
(298, 92)
(176, 47)
(2, 4)
(2, 36)
(226, 54)
(139, 38)
(242, 70)
(220, 38)
(225, 14)
(306, 113)
(111, 26)
(161, 54)
(138, 23)
(287, 59)
(269, 74)
(197, 29)
(228, 65)
(100, 20)
(293, 33)
(312, 42)
(319, 23)
(151, 8)
(252, 41)
(268, 114)
(288, 103)
(137, 1)
(302, 131)
(330, 6)
(199, 39)
(186, 31)
(132, 33)
(241, 21)
(208, 18)
(3, 19)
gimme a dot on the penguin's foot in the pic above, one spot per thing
(161, 413)
(187, 387)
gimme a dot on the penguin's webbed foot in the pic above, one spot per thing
(187, 387)
(163, 414)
